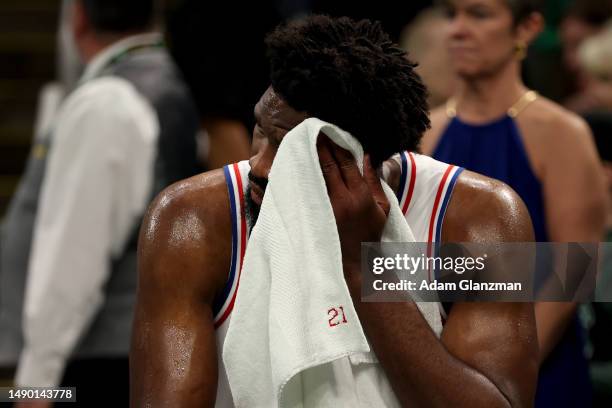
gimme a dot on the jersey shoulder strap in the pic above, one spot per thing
(236, 180)
(425, 189)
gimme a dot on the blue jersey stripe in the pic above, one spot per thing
(403, 176)
(218, 303)
(442, 211)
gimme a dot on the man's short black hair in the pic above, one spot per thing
(119, 15)
(349, 73)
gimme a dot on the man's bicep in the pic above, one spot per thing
(498, 340)
(174, 356)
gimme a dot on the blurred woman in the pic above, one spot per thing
(494, 125)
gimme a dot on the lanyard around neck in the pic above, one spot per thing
(120, 56)
(131, 51)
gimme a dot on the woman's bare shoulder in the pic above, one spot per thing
(439, 121)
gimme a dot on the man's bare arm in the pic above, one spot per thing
(487, 356)
(497, 339)
(182, 263)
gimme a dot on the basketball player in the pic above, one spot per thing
(193, 239)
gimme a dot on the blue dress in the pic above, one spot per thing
(496, 150)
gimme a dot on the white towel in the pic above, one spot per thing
(294, 339)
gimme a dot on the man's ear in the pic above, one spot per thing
(529, 28)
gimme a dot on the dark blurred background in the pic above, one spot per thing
(218, 44)
(219, 47)
(27, 61)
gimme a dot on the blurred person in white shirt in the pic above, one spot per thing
(126, 131)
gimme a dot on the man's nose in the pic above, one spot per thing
(261, 162)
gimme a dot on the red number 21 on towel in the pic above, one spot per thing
(334, 316)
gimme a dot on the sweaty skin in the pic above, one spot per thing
(487, 355)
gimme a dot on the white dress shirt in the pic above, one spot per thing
(97, 185)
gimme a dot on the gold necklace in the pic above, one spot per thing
(516, 108)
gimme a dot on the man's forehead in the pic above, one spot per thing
(270, 103)
(273, 102)
(271, 106)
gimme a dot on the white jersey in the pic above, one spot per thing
(424, 192)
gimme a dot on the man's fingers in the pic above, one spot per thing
(348, 166)
(375, 185)
(329, 166)
(370, 175)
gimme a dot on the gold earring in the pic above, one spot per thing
(520, 50)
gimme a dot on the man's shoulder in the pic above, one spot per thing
(203, 198)
(483, 209)
(187, 229)
(106, 112)
(102, 87)
(107, 96)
